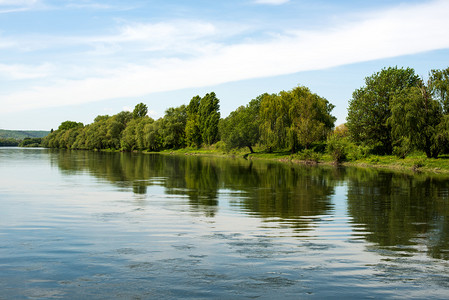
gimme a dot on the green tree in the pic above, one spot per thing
(174, 127)
(241, 127)
(208, 118)
(69, 124)
(414, 120)
(133, 136)
(310, 116)
(193, 132)
(369, 109)
(274, 121)
(152, 136)
(439, 87)
(140, 111)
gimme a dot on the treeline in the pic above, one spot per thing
(22, 134)
(14, 138)
(9, 142)
(295, 120)
(396, 112)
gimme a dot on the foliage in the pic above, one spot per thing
(294, 119)
(310, 116)
(414, 120)
(140, 111)
(273, 122)
(439, 87)
(22, 134)
(9, 142)
(341, 130)
(31, 142)
(208, 118)
(338, 147)
(173, 127)
(69, 125)
(241, 127)
(369, 109)
(152, 136)
(308, 155)
(193, 132)
(133, 136)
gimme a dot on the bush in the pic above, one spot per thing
(342, 149)
(308, 155)
(338, 148)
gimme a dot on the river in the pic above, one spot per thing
(90, 225)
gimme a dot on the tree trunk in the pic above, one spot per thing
(250, 148)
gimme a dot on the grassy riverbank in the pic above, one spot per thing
(417, 163)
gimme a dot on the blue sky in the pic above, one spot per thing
(73, 60)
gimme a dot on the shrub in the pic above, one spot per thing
(338, 148)
(308, 155)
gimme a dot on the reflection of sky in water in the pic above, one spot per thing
(77, 234)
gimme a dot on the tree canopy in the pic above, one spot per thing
(241, 127)
(140, 111)
(369, 109)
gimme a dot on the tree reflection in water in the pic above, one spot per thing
(397, 210)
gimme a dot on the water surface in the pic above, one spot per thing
(78, 224)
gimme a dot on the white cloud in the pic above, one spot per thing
(18, 72)
(271, 2)
(11, 6)
(399, 31)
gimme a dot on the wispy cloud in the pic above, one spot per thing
(271, 2)
(12, 6)
(398, 31)
(19, 72)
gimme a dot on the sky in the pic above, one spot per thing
(76, 59)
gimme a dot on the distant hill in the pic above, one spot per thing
(21, 134)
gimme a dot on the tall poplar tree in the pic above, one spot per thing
(208, 118)
(193, 132)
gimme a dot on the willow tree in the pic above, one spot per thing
(173, 127)
(415, 117)
(310, 117)
(295, 119)
(274, 121)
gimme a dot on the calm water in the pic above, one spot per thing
(85, 225)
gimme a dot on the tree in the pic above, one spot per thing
(310, 116)
(66, 125)
(140, 111)
(274, 121)
(414, 120)
(241, 127)
(152, 136)
(369, 109)
(173, 127)
(439, 87)
(193, 132)
(133, 136)
(208, 118)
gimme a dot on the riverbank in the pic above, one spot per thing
(416, 163)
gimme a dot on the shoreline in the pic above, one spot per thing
(410, 165)
(413, 166)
